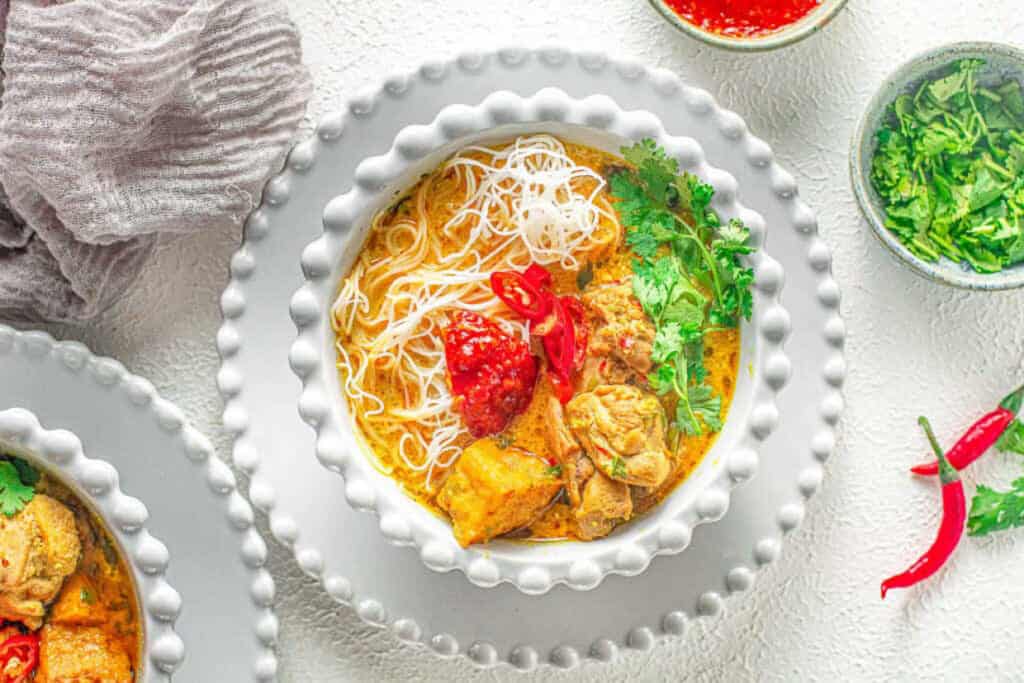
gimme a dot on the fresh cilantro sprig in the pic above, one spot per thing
(689, 276)
(949, 168)
(993, 510)
(17, 485)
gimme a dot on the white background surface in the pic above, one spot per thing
(912, 347)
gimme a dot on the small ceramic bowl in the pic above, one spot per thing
(1002, 61)
(787, 35)
(96, 482)
(533, 568)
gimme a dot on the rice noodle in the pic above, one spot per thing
(485, 209)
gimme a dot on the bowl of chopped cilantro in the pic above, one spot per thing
(937, 165)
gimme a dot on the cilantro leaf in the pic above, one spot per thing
(618, 468)
(993, 510)
(689, 276)
(14, 495)
(29, 475)
(1012, 440)
(707, 406)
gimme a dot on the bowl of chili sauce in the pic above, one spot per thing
(749, 25)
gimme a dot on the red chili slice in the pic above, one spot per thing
(560, 345)
(538, 276)
(520, 294)
(23, 648)
(576, 313)
(563, 387)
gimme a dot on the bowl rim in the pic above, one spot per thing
(97, 483)
(405, 522)
(810, 24)
(897, 82)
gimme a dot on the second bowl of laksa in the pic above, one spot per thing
(539, 340)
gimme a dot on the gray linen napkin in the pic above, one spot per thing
(123, 122)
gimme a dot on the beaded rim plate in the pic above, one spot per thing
(96, 482)
(150, 450)
(532, 568)
(388, 586)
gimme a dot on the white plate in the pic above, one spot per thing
(211, 553)
(387, 585)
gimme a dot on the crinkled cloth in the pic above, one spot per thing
(123, 122)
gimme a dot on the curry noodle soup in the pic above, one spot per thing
(497, 360)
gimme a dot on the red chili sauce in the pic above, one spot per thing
(742, 18)
(492, 373)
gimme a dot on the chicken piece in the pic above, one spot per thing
(622, 429)
(598, 503)
(493, 490)
(598, 370)
(40, 547)
(576, 467)
(81, 654)
(619, 327)
(605, 502)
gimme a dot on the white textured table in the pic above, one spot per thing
(912, 347)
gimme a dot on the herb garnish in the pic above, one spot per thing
(618, 469)
(950, 169)
(554, 471)
(688, 278)
(993, 510)
(17, 481)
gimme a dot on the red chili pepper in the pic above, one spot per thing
(954, 515)
(560, 322)
(521, 294)
(538, 276)
(24, 649)
(980, 436)
(574, 308)
(560, 344)
(562, 386)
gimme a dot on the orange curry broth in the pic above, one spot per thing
(101, 591)
(528, 431)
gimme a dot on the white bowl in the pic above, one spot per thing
(59, 453)
(533, 568)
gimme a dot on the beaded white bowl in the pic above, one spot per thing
(599, 122)
(59, 453)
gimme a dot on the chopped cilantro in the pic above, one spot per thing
(1012, 440)
(585, 276)
(993, 510)
(689, 276)
(14, 494)
(87, 596)
(949, 168)
(618, 470)
(554, 471)
(29, 475)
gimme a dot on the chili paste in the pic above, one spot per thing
(742, 18)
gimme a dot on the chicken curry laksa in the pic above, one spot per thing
(67, 602)
(540, 340)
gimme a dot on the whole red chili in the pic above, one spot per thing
(19, 656)
(954, 515)
(980, 436)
